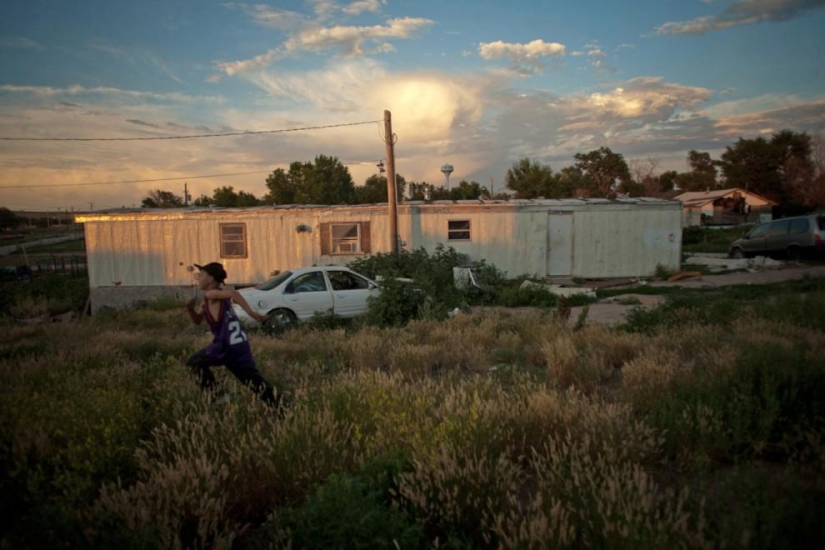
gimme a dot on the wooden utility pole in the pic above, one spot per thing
(389, 140)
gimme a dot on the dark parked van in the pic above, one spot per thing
(790, 236)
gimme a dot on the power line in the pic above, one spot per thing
(196, 135)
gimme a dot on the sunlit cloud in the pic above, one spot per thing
(247, 65)
(525, 58)
(351, 40)
(742, 12)
(360, 6)
(641, 99)
(270, 17)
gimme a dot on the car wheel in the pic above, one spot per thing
(793, 253)
(737, 253)
(280, 319)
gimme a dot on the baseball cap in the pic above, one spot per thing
(214, 269)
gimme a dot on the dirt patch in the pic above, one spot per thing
(762, 277)
(612, 311)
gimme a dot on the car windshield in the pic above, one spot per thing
(275, 281)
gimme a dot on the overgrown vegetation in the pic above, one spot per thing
(48, 293)
(710, 239)
(699, 424)
(433, 292)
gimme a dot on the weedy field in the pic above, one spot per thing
(699, 424)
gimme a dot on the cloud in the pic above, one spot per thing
(146, 61)
(157, 62)
(141, 123)
(596, 57)
(270, 17)
(326, 9)
(360, 6)
(350, 40)
(21, 43)
(742, 12)
(247, 65)
(76, 90)
(525, 58)
(638, 99)
(802, 116)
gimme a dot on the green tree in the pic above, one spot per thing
(667, 181)
(702, 172)
(530, 179)
(324, 181)
(571, 182)
(604, 171)
(162, 199)
(374, 189)
(203, 200)
(468, 190)
(780, 168)
(283, 185)
(227, 197)
(797, 168)
(8, 219)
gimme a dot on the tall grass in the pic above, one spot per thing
(693, 426)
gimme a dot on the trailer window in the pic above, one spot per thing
(233, 240)
(458, 230)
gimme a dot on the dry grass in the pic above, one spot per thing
(513, 431)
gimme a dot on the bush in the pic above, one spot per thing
(52, 293)
(433, 275)
(398, 304)
(530, 296)
(347, 511)
(710, 239)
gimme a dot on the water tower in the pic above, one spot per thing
(447, 169)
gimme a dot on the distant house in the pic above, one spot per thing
(724, 207)
(139, 254)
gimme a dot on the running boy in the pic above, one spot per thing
(230, 345)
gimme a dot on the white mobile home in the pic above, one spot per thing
(144, 253)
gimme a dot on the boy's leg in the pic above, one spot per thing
(199, 365)
(249, 375)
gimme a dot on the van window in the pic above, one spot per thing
(759, 231)
(779, 228)
(821, 223)
(799, 226)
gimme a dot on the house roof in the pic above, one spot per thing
(700, 198)
(116, 214)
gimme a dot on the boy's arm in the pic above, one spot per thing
(197, 316)
(237, 297)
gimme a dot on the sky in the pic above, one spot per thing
(477, 84)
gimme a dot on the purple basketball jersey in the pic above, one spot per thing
(230, 343)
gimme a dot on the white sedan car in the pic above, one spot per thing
(299, 294)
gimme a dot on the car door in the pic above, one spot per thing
(350, 292)
(777, 239)
(755, 242)
(308, 294)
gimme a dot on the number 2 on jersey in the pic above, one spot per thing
(236, 333)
